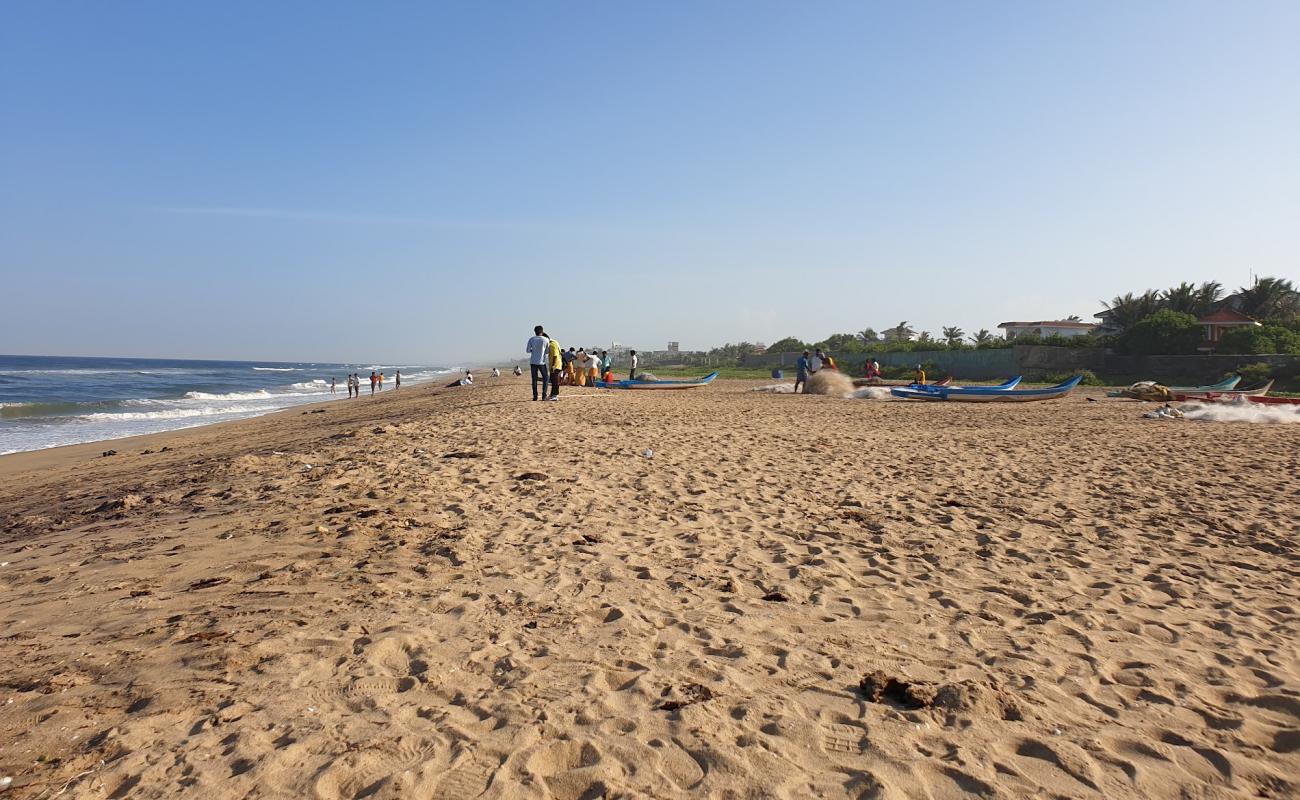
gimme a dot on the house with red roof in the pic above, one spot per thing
(1216, 322)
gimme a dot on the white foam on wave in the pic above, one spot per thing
(1245, 411)
(276, 369)
(260, 394)
(168, 413)
(316, 385)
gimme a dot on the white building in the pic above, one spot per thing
(1060, 327)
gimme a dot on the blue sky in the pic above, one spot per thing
(422, 182)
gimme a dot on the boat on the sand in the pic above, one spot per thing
(1275, 401)
(859, 383)
(693, 383)
(1140, 390)
(986, 394)
(1219, 396)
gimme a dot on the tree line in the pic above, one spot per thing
(1154, 321)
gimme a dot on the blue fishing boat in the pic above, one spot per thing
(986, 394)
(694, 383)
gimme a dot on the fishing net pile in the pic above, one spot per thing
(830, 382)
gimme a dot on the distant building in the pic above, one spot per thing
(674, 347)
(1215, 323)
(1045, 328)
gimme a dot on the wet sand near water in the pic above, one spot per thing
(460, 593)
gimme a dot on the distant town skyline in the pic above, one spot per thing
(424, 183)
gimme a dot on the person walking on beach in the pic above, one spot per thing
(636, 360)
(802, 368)
(333, 390)
(381, 381)
(537, 348)
(397, 380)
(374, 379)
(555, 363)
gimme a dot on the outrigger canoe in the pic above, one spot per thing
(689, 384)
(1276, 401)
(1225, 385)
(1258, 391)
(987, 394)
(859, 383)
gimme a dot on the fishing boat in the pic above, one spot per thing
(986, 394)
(1136, 393)
(1219, 396)
(693, 383)
(1275, 401)
(859, 383)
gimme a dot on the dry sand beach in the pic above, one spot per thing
(461, 593)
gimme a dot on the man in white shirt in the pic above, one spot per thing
(536, 349)
(631, 373)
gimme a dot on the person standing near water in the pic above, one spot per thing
(374, 379)
(333, 384)
(537, 350)
(397, 380)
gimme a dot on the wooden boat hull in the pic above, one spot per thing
(962, 395)
(1258, 391)
(859, 383)
(664, 385)
(1225, 385)
(1275, 401)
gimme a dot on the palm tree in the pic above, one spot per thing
(901, 332)
(953, 335)
(1127, 309)
(1269, 298)
(1207, 297)
(868, 336)
(1189, 298)
(982, 337)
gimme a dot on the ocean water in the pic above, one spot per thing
(52, 401)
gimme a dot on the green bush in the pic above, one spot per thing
(1259, 340)
(1164, 333)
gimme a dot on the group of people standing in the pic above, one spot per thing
(552, 365)
(808, 364)
(376, 383)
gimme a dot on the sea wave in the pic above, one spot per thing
(277, 369)
(170, 413)
(260, 394)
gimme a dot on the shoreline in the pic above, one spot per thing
(250, 415)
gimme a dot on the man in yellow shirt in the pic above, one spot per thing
(555, 362)
(920, 375)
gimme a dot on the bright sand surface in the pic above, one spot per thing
(461, 593)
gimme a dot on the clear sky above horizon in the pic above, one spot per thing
(422, 183)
